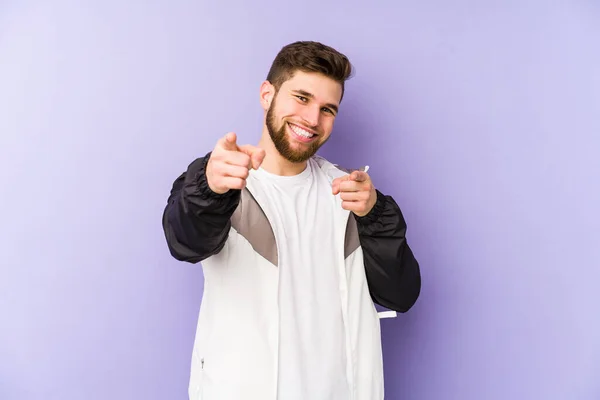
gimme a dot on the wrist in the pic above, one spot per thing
(206, 190)
(211, 187)
(375, 212)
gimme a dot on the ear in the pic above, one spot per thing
(267, 92)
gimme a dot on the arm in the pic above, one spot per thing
(393, 273)
(196, 221)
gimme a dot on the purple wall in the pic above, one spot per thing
(483, 122)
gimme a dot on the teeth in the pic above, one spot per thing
(301, 131)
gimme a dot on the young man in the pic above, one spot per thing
(295, 251)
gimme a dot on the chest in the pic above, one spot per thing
(302, 213)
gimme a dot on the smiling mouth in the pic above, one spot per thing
(301, 132)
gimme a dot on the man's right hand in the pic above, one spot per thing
(229, 164)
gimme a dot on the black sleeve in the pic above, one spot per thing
(196, 221)
(393, 273)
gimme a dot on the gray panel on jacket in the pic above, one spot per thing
(352, 240)
(250, 221)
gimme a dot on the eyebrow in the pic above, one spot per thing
(311, 96)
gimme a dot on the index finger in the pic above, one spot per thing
(340, 179)
(229, 142)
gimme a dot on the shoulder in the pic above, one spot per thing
(336, 169)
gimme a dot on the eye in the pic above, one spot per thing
(327, 110)
(302, 99)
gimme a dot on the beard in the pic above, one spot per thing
(282, 141)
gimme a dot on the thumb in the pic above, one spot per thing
(257, 155)
(359, 176)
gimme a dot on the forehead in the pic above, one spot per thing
(323, 88)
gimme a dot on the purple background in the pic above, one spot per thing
(481, 118)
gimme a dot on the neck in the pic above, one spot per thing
(274, 163)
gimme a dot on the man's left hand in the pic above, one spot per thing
(357, 192)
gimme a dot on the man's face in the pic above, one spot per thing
(301, 115)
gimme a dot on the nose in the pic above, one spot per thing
(311, 116)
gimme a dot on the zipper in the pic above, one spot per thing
(257, 198)
(344, 216)
(202, 378)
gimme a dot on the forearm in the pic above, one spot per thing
(196, 221)
(393, 273)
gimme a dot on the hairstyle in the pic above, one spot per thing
(309, 56)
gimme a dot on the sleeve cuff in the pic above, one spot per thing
(204, 190)
(376, 211)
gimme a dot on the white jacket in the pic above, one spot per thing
(236, 346)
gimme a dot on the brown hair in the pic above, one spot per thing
(308, 56)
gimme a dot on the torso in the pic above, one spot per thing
(312, 359)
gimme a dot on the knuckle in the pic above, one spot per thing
(218, 169)
(218, 155)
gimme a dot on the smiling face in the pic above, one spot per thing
(301, 114)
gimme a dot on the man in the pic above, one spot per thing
(295, 251)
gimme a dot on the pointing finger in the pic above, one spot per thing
(335, 185)
(228, 142)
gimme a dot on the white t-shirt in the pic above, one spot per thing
(312, 355)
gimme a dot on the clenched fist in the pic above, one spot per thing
(356, 191)
(230, 164)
